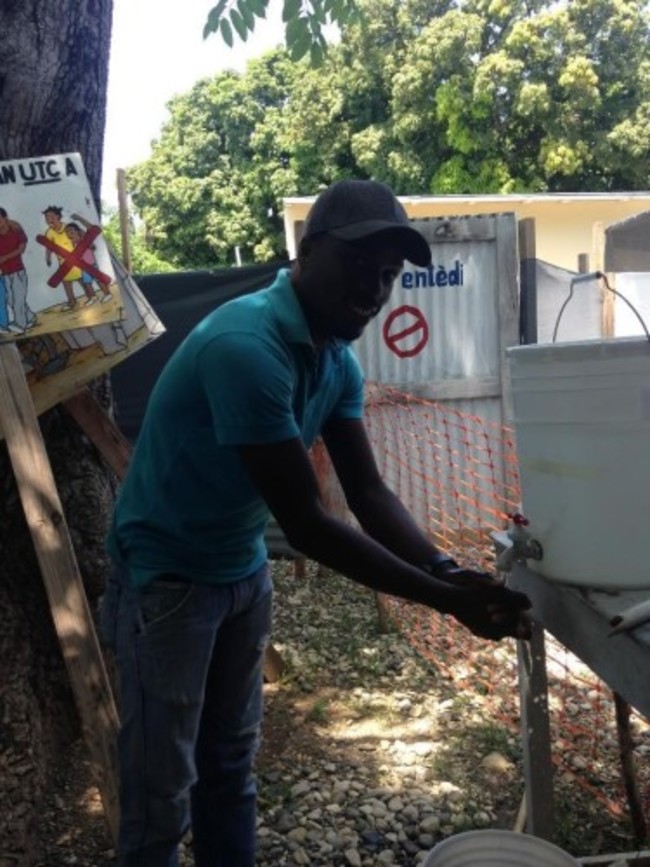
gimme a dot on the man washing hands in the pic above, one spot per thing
(224, 444)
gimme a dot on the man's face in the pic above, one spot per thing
(52, 219)
(4, 225)
(347, 284)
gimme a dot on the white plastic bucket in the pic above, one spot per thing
(494, 848)
(582, 421)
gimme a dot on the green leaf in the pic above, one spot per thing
(296, 29)
(319, 12)
(247, 14)
(257, 7)
(291, 9)
(239, 25)
(300, 46)
(226, 32)
(316, 55)
(214, 17)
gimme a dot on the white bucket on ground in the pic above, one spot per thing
(582, 420)
(494, 848)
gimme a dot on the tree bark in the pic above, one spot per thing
(53, 78)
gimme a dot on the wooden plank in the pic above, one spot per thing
(123, 210)
(508, 302)
(628, 769)
(100, 428)
(608, 298)
(469, 388)
(623, 859)
(63, 584)
(528, 281)
(583, 263)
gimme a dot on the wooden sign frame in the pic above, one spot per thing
(71, 613)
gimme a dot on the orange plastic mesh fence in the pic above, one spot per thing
(457, 474)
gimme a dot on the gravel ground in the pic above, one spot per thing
(369, 756)
(360, 763)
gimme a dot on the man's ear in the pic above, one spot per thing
(304, 250)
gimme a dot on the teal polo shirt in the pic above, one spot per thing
(247, 374)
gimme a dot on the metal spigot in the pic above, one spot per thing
(523, 547)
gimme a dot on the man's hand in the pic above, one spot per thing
(494, 613)
(483, 604)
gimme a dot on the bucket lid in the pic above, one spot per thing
(497, 848)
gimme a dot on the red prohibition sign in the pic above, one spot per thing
(413, 322)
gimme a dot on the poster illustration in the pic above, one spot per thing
(59, 364)
(55, 268)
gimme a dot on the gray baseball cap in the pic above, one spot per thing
(353, 210)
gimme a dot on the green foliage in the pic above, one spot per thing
(143, 260)
(304, 21)
(431, 96)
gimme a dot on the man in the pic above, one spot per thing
(224, 441)
(17, 316)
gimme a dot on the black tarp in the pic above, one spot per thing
(180, 300)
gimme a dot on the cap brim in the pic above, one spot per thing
(409, 240)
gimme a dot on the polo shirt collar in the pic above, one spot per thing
(291, 317)
(288, 310)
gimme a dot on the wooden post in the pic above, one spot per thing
(608, 299)
(63, 584)
(123, 210)
(626, 752)
(536, 736)
(99, 427)
(528, 282)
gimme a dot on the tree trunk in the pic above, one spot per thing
(53, 77)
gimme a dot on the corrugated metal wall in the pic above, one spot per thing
(445, 330)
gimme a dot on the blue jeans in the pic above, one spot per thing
(190, 660)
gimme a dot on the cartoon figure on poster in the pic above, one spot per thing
(55, 268)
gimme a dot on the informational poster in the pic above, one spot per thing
(55, 268)
(59, 364)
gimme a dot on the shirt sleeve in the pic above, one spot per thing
(248, 384)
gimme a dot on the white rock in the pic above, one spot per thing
(430, 825)
(496, 762)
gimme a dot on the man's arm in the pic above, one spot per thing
(379, 511)
(283, 474)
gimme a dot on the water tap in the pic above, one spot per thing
(523, 547)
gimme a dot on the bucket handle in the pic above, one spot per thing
(597, 275)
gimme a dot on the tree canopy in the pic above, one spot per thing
(449, 96)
